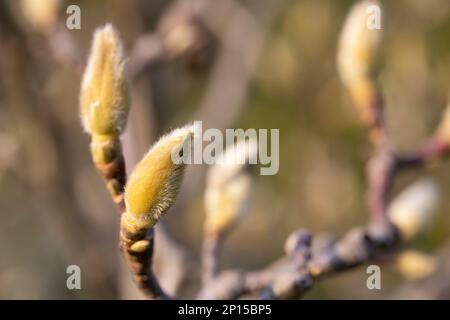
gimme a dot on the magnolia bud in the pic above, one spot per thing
(414, 208)
(153, 185)
(228, 187)
(104, 98)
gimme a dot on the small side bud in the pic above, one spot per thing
(228, 187)
(104, 98)
(413, 209)
(140, 246)
(153, 185)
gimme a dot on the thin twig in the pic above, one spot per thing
(212, 245)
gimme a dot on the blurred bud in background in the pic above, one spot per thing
(415, 265)
(183, 34)
(153, 185)
(179, 36)
(228, 186)
(41, 14)
(414, 208)
(358, 46)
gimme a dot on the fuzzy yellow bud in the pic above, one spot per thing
(415, 265)
(443, 130)
(41, 14)
(153, 185)
(413, 209)
(104, 98)
(358, 44)
(228, 187)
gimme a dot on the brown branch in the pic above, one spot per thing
(212, 245)
(140, 263)
(114, 174)
(432, 150)
(287, 279)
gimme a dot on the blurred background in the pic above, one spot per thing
(233, 64)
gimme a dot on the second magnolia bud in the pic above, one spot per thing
(153, 185)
